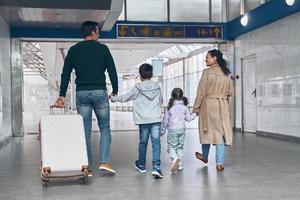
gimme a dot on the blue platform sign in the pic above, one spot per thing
(168, 31)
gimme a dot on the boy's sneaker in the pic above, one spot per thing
(106, 168)
(174, 166)
(157, 173)
(139, 167)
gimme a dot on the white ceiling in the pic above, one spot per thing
(126, 55)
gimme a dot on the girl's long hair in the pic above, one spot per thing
(220, 60)
(177, 94)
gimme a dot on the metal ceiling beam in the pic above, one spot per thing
(59, 4)
(113, 15)
(60, 14)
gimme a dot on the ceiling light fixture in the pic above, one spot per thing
(290, 2)
(244, 20)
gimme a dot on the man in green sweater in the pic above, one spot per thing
(90, 59)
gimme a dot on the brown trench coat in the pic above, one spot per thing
(212, 105)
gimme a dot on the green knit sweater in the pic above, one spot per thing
(90, 59)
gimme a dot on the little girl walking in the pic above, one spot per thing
(174, 121)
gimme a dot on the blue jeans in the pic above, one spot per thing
(219, 153)
(152, 130)
(97, 100)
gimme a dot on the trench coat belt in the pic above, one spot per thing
(205, 117)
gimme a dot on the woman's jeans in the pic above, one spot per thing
(152, 131)
(219, 152)
(97, 100)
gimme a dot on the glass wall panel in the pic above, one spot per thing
(127, 85)
(251, 4)
(234, 9)
(216, 10)
(189, 10)
(178, 66)
(145, 10)
(36, 101)
(192, 81)
(193, 74)
(174, 77)
(184, 73)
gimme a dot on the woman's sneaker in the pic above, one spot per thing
(157, 173)
(201, 157)
(175, 165)
(139, 167)
(180, 166)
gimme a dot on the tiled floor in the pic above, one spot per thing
(257, 168)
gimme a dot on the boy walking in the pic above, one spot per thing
(146, 97)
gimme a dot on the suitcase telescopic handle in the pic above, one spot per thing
(52, 107)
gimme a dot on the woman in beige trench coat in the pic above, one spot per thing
(215, 87)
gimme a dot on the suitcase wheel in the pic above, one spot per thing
(83, 180)
(45, 183)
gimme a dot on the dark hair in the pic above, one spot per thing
(146, 71)
(220, 60)
(177, 94)
(87, 27)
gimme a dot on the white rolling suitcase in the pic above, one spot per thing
(63, 147)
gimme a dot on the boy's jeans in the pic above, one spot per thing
(152, 130)
(97, 100)
(219, 152)
(175, 141)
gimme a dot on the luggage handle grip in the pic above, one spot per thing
(55, 106)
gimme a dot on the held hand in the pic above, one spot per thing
(111, 97)
(196, 113)
(112, 94)
(60, 102)
(162, 133)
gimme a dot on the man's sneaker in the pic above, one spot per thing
(90, 173)
(107, 168)
(139, 167)
(174, 166)
(157, 173)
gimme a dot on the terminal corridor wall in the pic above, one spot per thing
(276, 48)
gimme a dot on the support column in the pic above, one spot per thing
(5, 74)
(16, 88)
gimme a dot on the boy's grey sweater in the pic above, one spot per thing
(147, 101)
